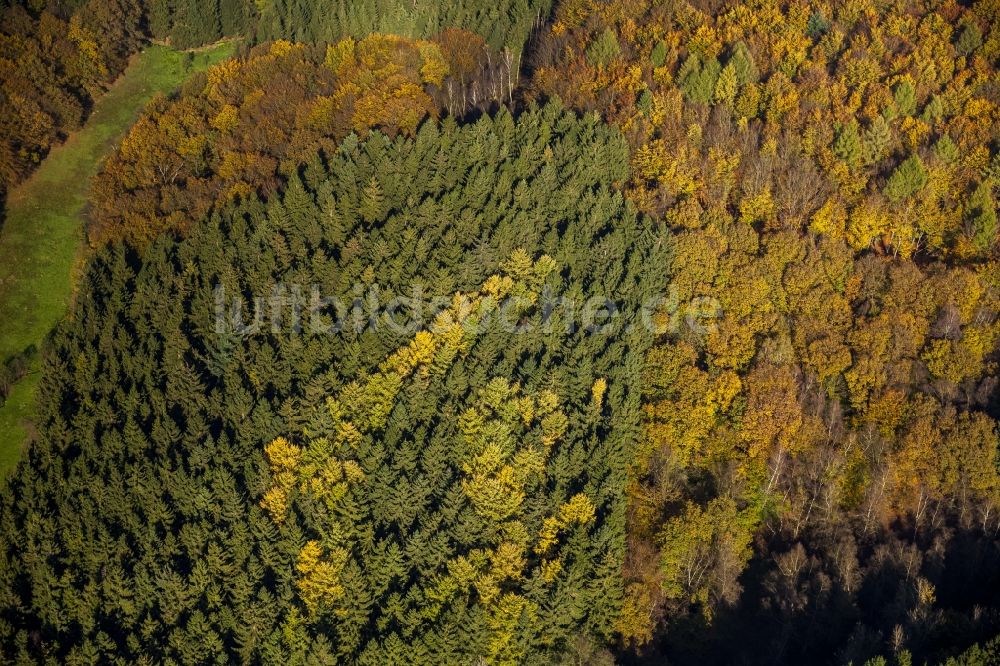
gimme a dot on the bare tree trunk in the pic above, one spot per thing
(776, 470)
(872, 501)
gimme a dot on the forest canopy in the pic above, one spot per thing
(707, 366)
(830, 184)
(52, 65)
(57, 56)
(371, 496)
(240, 128)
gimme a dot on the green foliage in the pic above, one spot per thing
(847, 144)
(969, 39)
(985, 654)
(372, 206)
(504, 24)
(658, 56)
(604, 49)
(194, 22)
(818, 25)
(742, 62)
(698, 79)
(40, 244)
(906, 180)
(234, 17)
(158, 19)
(876, 141)
(444, 498)
(905, 98)
(934, 110)
(454, 494)
(14, 368)
(946, 150)
(645, 102)
(982, 217)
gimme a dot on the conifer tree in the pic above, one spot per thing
(907, 179)
(355, 493)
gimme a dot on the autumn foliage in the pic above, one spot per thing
(242, 126)
(53, 63)
(782, 450)
(829, 172)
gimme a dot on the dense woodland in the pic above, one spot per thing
(241, 128)
(797, 464)
(365, 495)
(830, 184)
(503, 24)
(54, 60)
(57, 55)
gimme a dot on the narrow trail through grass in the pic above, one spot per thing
(42, 235)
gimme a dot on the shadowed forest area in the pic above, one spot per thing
(42, 232)
(640, 332)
